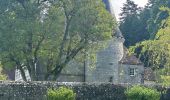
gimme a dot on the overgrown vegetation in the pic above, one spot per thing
(149, 39)
(2, 75)
(62, 93)
(156, 53)
(142, 93)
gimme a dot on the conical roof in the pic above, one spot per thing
(118, 33)
(109, 7)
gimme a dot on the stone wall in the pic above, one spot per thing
(84, 91)
(106, 66)
(107, 62)
(125, 77)
(22, 91)
(38, 90)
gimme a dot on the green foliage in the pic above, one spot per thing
(156, 15)
(156, 53)
(152, 53)
(165, 80)
(133, 23)
(2, 76)
(139, 24)
(51, 33)
(61, 94)
(142, 93)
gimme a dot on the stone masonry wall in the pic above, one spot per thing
(84, 91)
(124, 76)
(107, 62)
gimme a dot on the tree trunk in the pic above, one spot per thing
(33, 72)
(23, 74)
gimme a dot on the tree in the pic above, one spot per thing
(133, 23)
(142, 24)
(156, 53)
(129, 8)
(156, 15)
(51, 33)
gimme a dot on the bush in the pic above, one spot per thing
(165, 80)
(2, 75)
(61, 94)
(142, 93)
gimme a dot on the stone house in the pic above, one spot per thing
(131, 70)
(113, 64)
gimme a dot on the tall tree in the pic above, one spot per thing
(156, 15)
(132, 23)
(129, 8)
(156, 53)
(51, 33)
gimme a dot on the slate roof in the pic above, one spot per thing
(109, 8)
(118, 33)
(130, 59)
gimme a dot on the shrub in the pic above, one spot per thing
(2, 75)
(142, 93)
(165, 80)
(61, 94)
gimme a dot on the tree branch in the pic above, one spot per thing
(73, 53)
(37, 48)
(22, 2)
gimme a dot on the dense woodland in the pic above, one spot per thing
(147, 34)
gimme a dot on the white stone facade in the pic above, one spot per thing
(107, 61)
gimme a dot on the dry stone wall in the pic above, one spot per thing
(84, 91)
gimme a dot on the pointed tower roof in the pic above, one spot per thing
(109, 7)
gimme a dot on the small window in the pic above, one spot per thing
(111, 79)
(132, 72)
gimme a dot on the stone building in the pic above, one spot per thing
(113, 63)
(131, 69)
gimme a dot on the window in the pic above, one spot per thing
(132, 71)
(111, 79)
(110, 63)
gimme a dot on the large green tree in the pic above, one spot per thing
(156, 53)
(139, 24)
(50, 32)
(156, 15)
(133, 23)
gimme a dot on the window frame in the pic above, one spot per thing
(132, 71)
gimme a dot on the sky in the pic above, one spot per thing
(117, 4)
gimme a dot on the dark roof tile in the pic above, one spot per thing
(130, 59)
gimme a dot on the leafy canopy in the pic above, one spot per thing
(48, 34)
